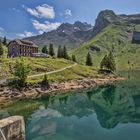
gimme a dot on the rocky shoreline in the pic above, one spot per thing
(8, 94)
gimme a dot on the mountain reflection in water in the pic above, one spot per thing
(106, 110)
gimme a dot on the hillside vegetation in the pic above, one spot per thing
(115, 38)
(43, 65)
(38, 65)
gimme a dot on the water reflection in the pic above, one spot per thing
(71, 114)
(109, 93)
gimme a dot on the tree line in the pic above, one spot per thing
(61, 52)
(107, 62)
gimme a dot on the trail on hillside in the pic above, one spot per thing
(51, 72)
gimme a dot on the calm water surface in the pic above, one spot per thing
(106, 113)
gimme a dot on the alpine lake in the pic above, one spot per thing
(110, 112)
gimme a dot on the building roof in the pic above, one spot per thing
(23, 42)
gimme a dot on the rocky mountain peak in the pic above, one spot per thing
(105, 18)
(83, 25)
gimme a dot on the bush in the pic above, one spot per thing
(45, 82)
(21, 71)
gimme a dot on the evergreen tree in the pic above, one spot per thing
(4, 41)
(104, 62)
(0, 42)
(1, 49)
(89, 60)
(112, 61)
(51, 50)
(74, 58)
(45, 50)
(60, 52)
(45, 82)
(108, 62)
(65, 53)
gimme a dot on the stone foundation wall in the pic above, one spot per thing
(13, 128)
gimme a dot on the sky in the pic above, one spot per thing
(25, 18)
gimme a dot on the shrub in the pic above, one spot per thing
(45, 82)
(21, 71)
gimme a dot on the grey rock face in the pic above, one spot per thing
(67, 34)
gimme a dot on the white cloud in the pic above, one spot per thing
(45, 27)
(42, 11)
(33, 12)
(46, 11)
(25, 34)
(68, 12)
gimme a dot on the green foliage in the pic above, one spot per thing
(1, 49)
(89, 60)
(45, 82)
(65, 53)
(74, 58)
(116, 39)
(45, 50)
(51, 50)
(108, 62)
(112, 61)
(104, 62)
(21, 72)
(0, 42)
(4, 41)
(60, 52)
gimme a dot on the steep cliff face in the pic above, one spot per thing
(107, 17)
(103, 20)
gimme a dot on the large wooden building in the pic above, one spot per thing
(21, 48)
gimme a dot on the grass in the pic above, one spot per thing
(114, 38)
(42, 65)
(77, 72)
(38, 65)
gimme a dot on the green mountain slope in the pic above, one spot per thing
(115, 38)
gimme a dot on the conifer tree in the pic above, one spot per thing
(60, 52)
(65, 53)
(108, 62)
(51, 50)
(104, 62)
(74, 58)
(0, 42)
(4, 41)
(45, 50)
(89, 60)
(112, 61)
(1, 49)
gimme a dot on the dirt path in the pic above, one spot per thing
(51, 72)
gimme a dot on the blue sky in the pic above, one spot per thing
(24, 18)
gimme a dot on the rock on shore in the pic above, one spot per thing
(8, 94)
